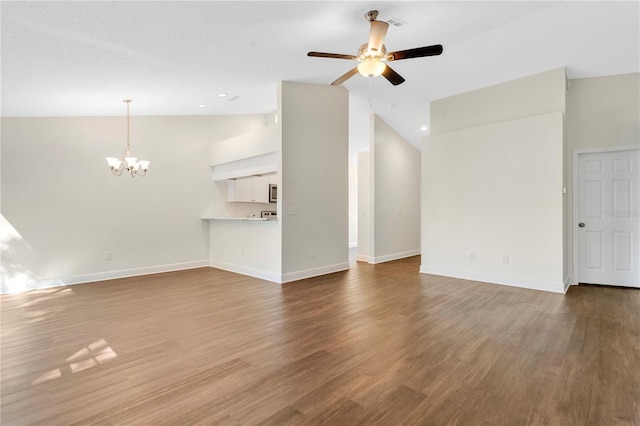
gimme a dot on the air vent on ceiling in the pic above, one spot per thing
(395, 22)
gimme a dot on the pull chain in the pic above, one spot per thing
(370, 91)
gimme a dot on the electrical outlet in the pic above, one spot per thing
(313, 253)
(505, 259)
(108, 255)
(242, 252)
(472, 256)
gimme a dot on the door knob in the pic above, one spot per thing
(581, 224)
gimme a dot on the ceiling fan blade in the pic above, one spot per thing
(418, 52)
(346, 77)
(331, 55)
(393, 77)
(376, 35)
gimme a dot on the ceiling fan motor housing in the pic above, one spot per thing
(371, 15)
(364, 53)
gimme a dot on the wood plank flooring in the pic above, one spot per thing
(379, 344)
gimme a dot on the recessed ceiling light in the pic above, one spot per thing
(202, 106)
(223, 95)
(423, 128)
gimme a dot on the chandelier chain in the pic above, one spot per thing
(128, 143)
(128, 153)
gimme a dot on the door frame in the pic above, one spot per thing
(574, 196)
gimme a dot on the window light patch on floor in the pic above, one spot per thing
(97, 353)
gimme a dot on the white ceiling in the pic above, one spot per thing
(83, 58)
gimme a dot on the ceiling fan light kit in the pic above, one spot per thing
(373, 55)
(371, 67)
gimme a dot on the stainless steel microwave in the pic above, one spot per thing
(273, 193)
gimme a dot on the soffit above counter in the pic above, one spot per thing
(249, 154)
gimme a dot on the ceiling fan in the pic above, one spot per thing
(373, 54)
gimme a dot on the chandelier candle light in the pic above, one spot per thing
(130, 164)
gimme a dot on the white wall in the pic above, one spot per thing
(492, 177)
(396, 184)
(359, 134)
(68, 209)
(246, 145)
(532, 95)
(249, 248)
(353, 203)
(314, 179)
(253, 153)
(388, 196)
(365, 221)
(602, 112)
(495, 191)
(359, 126)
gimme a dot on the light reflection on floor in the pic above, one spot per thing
(92, 355)
(48, 295)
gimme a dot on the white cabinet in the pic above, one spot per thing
(261, 189)
(241, 190)
(254, 189)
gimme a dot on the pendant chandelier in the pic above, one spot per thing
(128, 163)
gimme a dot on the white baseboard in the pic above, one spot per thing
(394, 256)
(553, 287)
(567, 283)
(243, 270)
(125, 273)
(110, 275)
(387, 257)
(314, 272)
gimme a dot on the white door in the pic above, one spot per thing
(608, 219)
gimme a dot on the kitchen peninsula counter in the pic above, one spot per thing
(239, 244)
(242, 219)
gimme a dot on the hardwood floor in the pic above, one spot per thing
(379, 344)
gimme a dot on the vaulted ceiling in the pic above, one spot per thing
(83, 58)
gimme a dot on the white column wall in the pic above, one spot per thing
(314, 179)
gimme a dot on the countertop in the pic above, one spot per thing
(242, 219)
